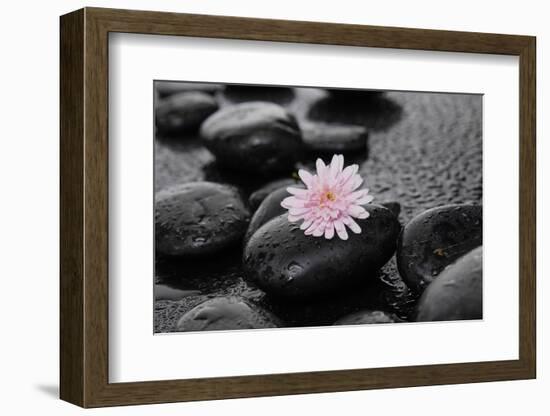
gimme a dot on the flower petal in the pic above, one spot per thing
(367, 199)
(358, 212)
(321, 170)
(341, 230)
(340, 163)
(353, 226)
(320, 230)
(329, 231)
(313, 226)
(305, 224)
(353, 183)
(334, 167)
(360, 197)
(298, 192)
(292, 202)
(347, 174)
(294, 218)
(298, 211)
(306, 177)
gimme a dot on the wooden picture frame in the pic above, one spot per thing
(84, 207)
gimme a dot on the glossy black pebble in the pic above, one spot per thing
(284, 262)
(268, 209)
(198, 218)
(184, 111)
(436, 238)
(457, 292)
(226, 313)
(260, 194)
(255, 137)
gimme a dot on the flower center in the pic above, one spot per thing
(330, 196)
(327, 196)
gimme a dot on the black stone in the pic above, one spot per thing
(198, 218)
(268, 209)
(436, 238)
(259, 195)
(183, 112)
(354, 94)
(167, 88)
(256, 137)
(393, 206)
(244, 93)
(457, 292)
(372, 110)
(367, 317)
(226, 313)
(284, 262)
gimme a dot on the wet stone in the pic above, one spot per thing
(354, 94)
(184, 111)
(284, 262)
(324, 138)
(256, 137)
(374, 111)
(244, 93)
(226, 313)
(457, 292)
(436, 238)
(167, 88)
(259, 195)
(393, 206)
(367, 317)
(268, 209)
(198, 218)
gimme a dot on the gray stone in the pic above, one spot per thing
(457, 293)
(226, 313)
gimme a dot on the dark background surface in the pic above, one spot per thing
(424, 150)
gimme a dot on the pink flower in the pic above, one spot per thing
(331, 201)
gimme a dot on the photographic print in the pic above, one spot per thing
(290, 206)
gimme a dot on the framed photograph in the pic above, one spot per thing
(260, 207)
